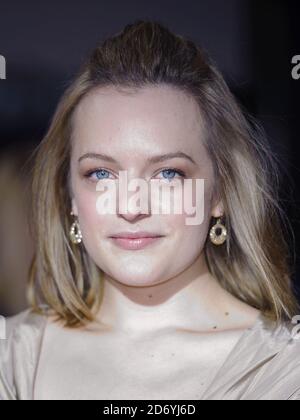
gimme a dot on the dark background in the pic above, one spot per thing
(252, 42)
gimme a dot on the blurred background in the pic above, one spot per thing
(44, 43)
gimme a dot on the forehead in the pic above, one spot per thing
(152, 119)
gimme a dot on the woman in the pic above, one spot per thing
(199, 311)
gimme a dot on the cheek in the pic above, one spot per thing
(188, 238)
(196, 209)
(87, 212)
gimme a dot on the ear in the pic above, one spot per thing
(217, 209)
(74, 207)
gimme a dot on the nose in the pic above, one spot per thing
(133, 205)
(129, 217)
(131, 211)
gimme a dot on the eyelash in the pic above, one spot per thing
(178, 171)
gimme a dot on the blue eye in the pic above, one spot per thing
(100, 174)
(170, 172)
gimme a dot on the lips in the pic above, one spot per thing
(136, 235)
(135, 241)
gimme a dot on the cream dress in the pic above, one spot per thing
(263, 365)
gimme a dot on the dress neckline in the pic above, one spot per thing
(253, 347)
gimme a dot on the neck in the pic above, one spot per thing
(191, 300)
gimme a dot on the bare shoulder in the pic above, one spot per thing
(238, 315)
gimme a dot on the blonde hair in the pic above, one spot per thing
(253, 264)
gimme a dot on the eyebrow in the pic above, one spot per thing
(152, 159)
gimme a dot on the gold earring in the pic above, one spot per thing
(218, 233)
(75, 232)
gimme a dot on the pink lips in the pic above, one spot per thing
(135, 241)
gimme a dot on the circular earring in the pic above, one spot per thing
(218, 233)
(75, 232)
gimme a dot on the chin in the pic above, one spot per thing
(131, 278)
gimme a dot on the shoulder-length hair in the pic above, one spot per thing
(253, 264)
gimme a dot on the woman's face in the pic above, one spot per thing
(131, 128)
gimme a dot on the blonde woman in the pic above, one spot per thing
(143, 305)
